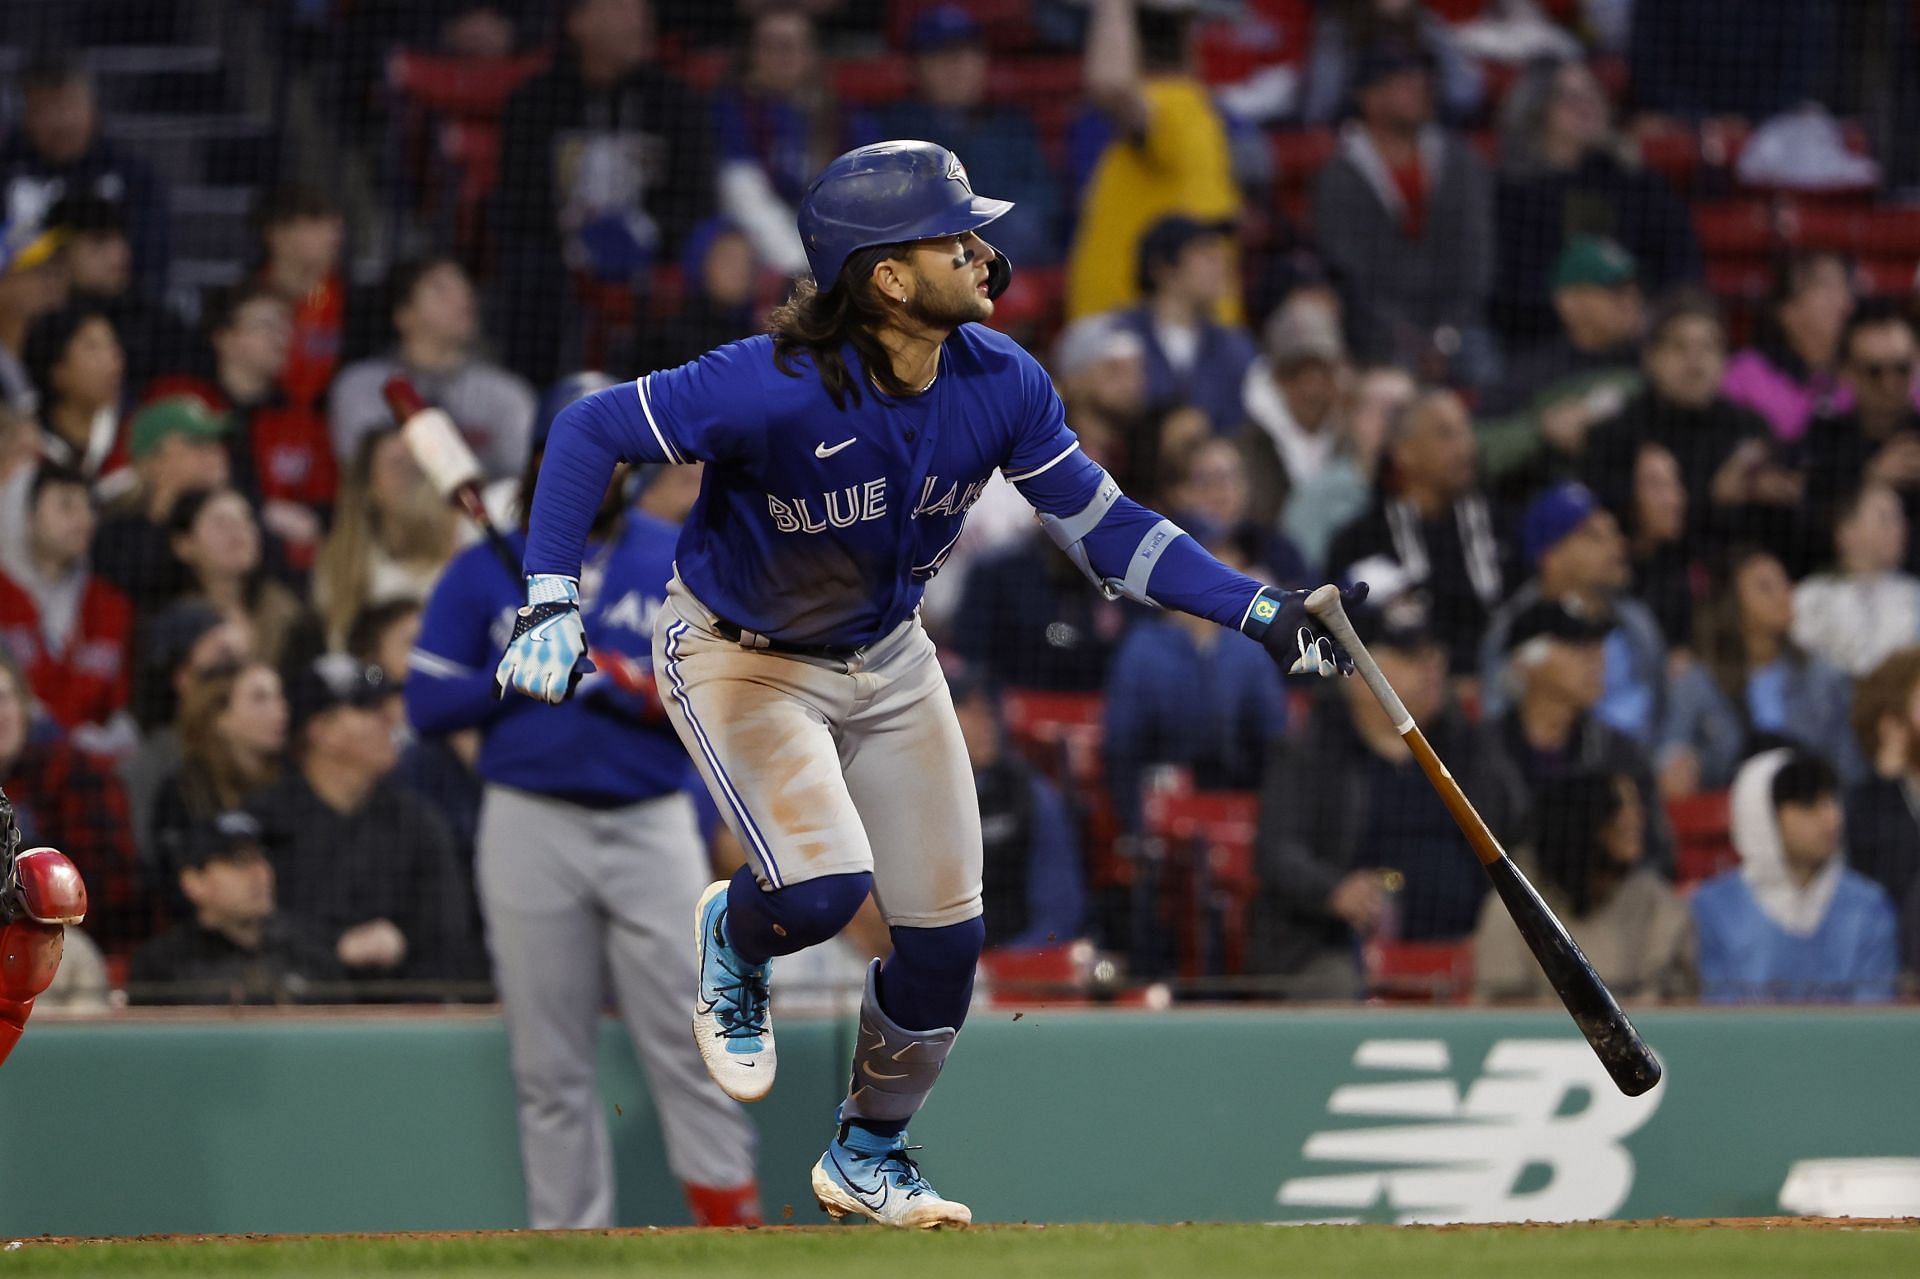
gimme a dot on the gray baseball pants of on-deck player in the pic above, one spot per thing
(575, 896)
(826, 767)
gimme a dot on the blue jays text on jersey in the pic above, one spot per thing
(820, 525)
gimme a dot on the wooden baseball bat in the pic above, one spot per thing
(1626, 1056)
(449, 464)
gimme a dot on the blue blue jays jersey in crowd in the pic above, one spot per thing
(587, 749)
(821, 525)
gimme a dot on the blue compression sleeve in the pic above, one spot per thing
(589, 438)
(1184, 578)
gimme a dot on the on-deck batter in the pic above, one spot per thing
(843, 452)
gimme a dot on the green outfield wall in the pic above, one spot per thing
(265, 1123)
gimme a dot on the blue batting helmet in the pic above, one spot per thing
(891, 193)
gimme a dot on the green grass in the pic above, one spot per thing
(1110, 1252)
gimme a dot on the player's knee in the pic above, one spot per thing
(805, 914)
(951, 952)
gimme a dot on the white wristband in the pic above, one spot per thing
(552, 588)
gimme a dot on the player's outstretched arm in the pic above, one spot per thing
(1135, 553)
(1132, 552)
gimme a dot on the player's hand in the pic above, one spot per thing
(547, 655)
(378, 943)
(1358, 899)
(1280, 621)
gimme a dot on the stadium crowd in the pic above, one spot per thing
(1591, 347)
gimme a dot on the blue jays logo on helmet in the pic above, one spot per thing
(891, 193)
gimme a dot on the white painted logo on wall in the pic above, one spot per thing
(1536, 1137)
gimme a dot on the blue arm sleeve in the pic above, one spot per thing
(1056, 895)
(695, 413)
(450, 672)
(1051, 472)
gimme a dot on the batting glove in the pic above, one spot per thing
(547, 655)
(1280, 621)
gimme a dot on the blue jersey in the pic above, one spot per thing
(593, 748)
(821, 525)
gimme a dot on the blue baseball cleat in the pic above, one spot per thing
(887, 1187)
(732, 1017)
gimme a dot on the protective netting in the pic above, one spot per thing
(1580, 330)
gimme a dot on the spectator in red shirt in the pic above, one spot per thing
(301, 235)
(282, 460)
(65, 799)
(68, 629)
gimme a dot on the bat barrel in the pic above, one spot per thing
(1631, 1064)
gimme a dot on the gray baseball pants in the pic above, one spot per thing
(825, 767)
(580, 901)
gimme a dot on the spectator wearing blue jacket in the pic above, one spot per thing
(1200, 698)
(951, 106)
(589, 862)
(1793, 923)
(1184, 271)
(1035, 889)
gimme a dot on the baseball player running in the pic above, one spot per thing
(842, 452)
(588, 861)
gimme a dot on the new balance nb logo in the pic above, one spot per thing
(1535, 1137)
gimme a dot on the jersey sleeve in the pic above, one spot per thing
(1129, 549)
(449, 682)
(703, 411)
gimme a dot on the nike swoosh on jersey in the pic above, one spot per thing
(821, 450)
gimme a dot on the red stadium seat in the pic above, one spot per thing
(1059, 732)
(1861, 231)
(1738, 280)
(1887, 277)
(875, 81)
(1035, 82)
(1736, 228)
(1419, 972)
(1702, 834)
(1673, 152)
(1208, 840)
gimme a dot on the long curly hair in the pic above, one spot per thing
(818, 326)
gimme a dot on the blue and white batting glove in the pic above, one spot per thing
(1280, 621)
(547, 655)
